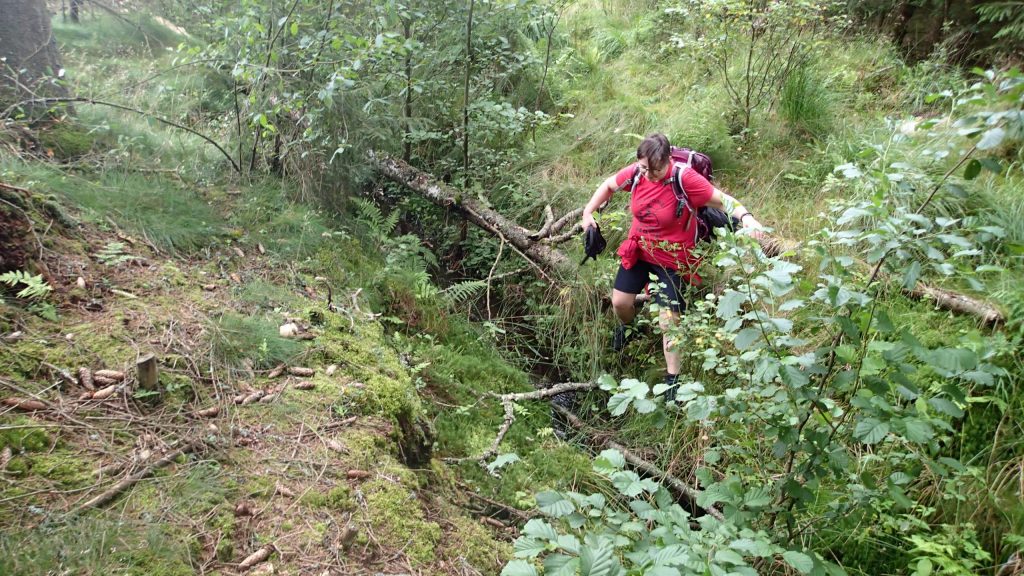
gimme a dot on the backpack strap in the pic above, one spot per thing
(632, 181)
(682, 199)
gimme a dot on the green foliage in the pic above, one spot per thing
(1009, 14)
(806, 100)
(35, 287)
(236, 339)
(113, 253)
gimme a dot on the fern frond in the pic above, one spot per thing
(35, 288)
(463, 291)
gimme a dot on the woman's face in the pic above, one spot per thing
(654, 172)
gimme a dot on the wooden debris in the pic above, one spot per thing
(304, 385)
(358, 474)
(5, 457)
(114, 375)
(24, 404)
(148, 373)
(277, 371)
(85, 378)
(348, 536)
(128, 295)
(300, 371)
(335, 445)
(104, 393)
(210, 412)
(487, 520)
(261, 248)
(129, 481)
(256, 557)
(65, 375)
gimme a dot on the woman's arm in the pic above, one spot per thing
(732, 207)
(601, 195)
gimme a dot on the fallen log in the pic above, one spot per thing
(438, 192)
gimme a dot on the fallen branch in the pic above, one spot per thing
(960, 303)
(443, 195)
(675, 484)
(508, 402)
(130, 480)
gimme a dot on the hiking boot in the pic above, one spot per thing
(623, 335)
(671, 381)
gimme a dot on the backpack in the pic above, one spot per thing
(708, 218)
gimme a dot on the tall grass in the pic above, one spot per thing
(806, 101)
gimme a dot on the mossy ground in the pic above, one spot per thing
(301, 464)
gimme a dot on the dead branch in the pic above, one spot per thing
(675, 484)
(545, 230)
(508, 402)
(131, 479)
(488, 219)
(959, 303)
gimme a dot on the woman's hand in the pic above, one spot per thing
(748, 221)
(588, 220)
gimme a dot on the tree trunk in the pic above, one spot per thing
(32, 60)
(548, 258)
(75, 6)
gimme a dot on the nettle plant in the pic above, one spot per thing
(826, 415)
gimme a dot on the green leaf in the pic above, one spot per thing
(992, 165)
(673, 555)
(972, 170)
(924, 567)
(526, 547)
(798, 560)
(619, 403)
(992, 138)
(554, 505)
(918, 430)
(519, 568)
(729, 304)
(731, 557)
(609, 461)
(537, 528)
(560, 565)
(946, 407)
(871, 430)
(502, 460)
(746, 337)
(597, 559)
(912, 274)
(295, 29)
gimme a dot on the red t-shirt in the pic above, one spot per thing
(656, 235)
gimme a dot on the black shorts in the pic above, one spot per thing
(672, 292)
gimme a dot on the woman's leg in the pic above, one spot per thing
(624, 305)
(669, 319)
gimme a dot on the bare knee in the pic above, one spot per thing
(623, 304)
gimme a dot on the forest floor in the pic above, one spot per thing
(316, 465)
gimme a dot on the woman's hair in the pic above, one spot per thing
(655, 148)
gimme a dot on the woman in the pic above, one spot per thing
(661, 239)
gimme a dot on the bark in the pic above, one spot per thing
(32, 59)
(958, 303)
(548, 258)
